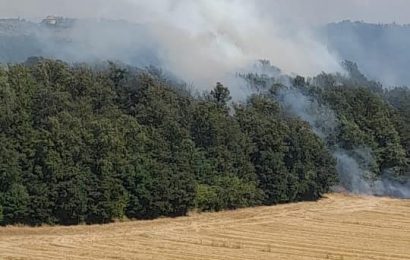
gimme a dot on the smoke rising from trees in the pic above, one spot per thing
(354, 165)
(206, 41)
(200, 41)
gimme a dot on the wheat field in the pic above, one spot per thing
(337, 227)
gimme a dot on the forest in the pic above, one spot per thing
(84, 143)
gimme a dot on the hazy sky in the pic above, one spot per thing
(204, 40)
(297, 11)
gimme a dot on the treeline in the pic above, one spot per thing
(91, 144)
(369, 116)
(354, 116)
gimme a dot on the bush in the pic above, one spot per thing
(227, 193)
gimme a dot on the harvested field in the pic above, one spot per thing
(336, 227)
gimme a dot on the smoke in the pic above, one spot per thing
(392, 188)
(201, 41)
(296, 11)
(353, 166)
(220, 37)
(322, 119)
(205, 41)
(381, 51)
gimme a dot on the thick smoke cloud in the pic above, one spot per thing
(207, 39)
(199, 41)
(204, 41)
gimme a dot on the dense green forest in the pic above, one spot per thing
(368, 117)
(91, 144)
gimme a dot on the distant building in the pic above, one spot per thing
(51, 20)
(58, 21)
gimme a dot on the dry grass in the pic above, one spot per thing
(337, 227)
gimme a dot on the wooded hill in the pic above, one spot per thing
(82, 143)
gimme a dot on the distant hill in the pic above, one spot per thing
(76, 41)
(381, 51)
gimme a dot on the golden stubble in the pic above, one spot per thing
(336, 227)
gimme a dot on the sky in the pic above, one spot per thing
(299, 11)
(203, 41)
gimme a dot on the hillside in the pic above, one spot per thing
(94, 143)
(381, 50)
(336, 227)
(82, 40)
(207, 129)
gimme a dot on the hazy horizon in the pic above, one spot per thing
(314, 12)
(207, 40)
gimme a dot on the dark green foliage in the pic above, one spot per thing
(227, 193)
(291, 163)
(368, 117)
(220, 95)
(15, 203)
(366, 120)
(399, 98)
(90, 145)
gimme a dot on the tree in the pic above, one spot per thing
(220, 95)
(1, 214)
(15, 203)
(97, 143)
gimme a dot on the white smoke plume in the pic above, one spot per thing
(353, 166)
(200, 41)
(205, 41)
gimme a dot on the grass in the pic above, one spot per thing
(338, 227)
